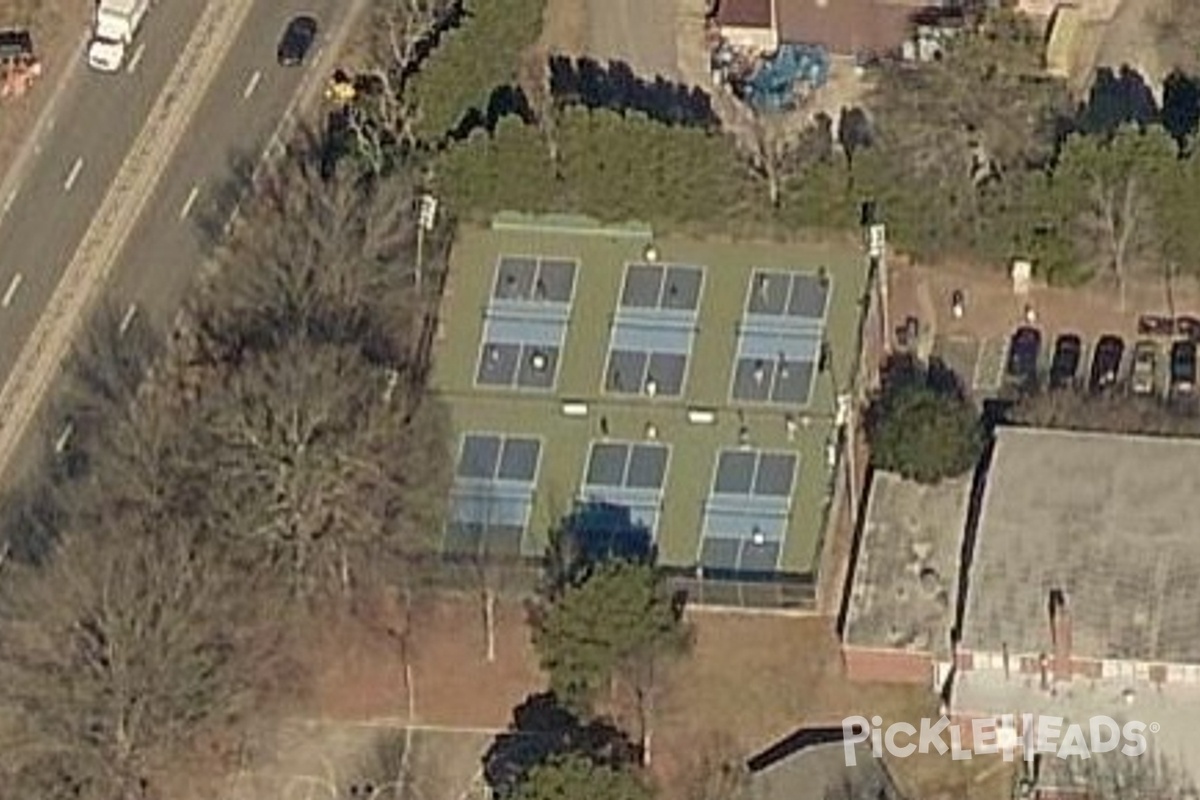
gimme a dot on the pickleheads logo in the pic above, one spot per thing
(1035, 734)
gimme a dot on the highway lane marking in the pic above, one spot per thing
(60, 443)
(252, 84)
(127, 320)
(12, 290)
(73, 175)
(137, 58)
(191, 201)
(8, 201)
(42, 355)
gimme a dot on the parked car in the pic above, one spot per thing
(1144, 372)
(1064, 364)
(1024, 349)
(1106, 363)
(1183, 367)
(1188, 327)
(297, 40)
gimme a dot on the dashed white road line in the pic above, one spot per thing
(11, 292)
(127, 320)
(252, 84)
(8, 201)
(50, 123)
(73, 175)
(189, 202)
(137, 58)
(60, 443)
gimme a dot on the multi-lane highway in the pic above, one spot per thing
(236, 121)
(94, 127)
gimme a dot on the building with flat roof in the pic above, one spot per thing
(843, 27)
(901, 604)
(693, 386)
(1083, 595)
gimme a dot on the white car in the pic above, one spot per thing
(1145, 368)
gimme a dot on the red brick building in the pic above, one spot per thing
(843, 27)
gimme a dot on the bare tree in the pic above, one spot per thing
(1114, 776)
(1119, 413)
(399, 36)
(778, 152)
(1113, 184)
(400, 29)
(326, 256)
(130, 440)
(315, 472)
(118, 653)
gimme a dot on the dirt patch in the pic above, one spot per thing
(640, 33)
(993, 310)
(360, 669)
(328, 760)
(1130, 38)
(565, 27)
(57, 27)
(756, 679)
(752, 680)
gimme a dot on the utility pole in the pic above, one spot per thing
(426, 218)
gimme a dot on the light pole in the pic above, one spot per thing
(427, 209)
(877, 252)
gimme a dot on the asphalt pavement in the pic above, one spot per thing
(236, 121)
(80, 154)
(93, 130)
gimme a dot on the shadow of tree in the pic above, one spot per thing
(541, 729)
(616, 87)
(215, 213)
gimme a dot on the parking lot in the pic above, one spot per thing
(1153, 364)
(977, 343)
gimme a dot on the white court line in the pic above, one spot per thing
(127, 320)
(73, 175)
(137, 58)
(12, 290)
(191, 201)
(252, 84)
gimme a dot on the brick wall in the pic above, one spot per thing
(888, 666)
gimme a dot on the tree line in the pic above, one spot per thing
(280, 456)
(977, 155)
(277, 461)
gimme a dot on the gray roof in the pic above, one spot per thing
(820, 773)
(906, 576)
(1111, 520)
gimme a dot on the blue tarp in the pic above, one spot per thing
(773, 86)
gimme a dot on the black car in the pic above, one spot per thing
(297, 40)
(1106, 363)
(15, 45)
(1024, 349)
(1064, 364)
(1183, 368)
